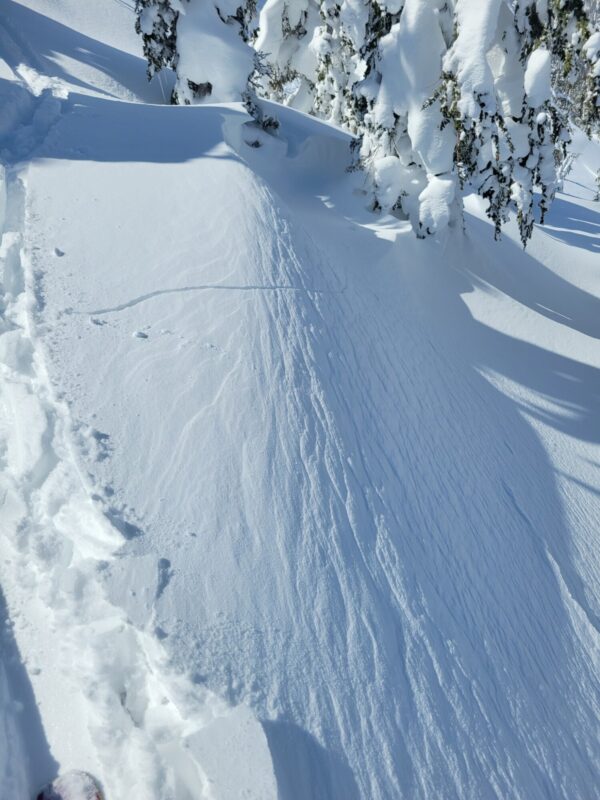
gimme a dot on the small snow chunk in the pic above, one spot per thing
(537, 77)
(58, 252)
(235, 756)
(140, 335)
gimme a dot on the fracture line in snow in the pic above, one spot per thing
(204, 287)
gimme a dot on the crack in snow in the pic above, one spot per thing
(200, 288)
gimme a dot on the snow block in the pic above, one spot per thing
(235, 757)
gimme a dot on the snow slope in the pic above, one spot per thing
(310, 506)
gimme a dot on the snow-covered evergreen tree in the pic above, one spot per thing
(406, 146)
(156, 21)
(288, 35)
(444, 96)
(491, 62)
(498, 84)
(339, 64)
(208, 46)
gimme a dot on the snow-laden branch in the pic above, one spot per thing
(445, 97)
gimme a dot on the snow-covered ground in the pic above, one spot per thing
(293, 503)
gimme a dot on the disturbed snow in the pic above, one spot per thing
(293, 504)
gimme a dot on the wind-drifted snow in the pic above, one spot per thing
(293, 504)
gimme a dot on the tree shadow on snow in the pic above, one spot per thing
(573, 224)
(48, 46)
(514, 272)
(41, 766)
(129, 132)
(456, 577)
(571, 386)
(304, 769)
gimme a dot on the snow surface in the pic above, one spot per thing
(294, 504)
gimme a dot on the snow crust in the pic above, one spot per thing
(293, 504)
